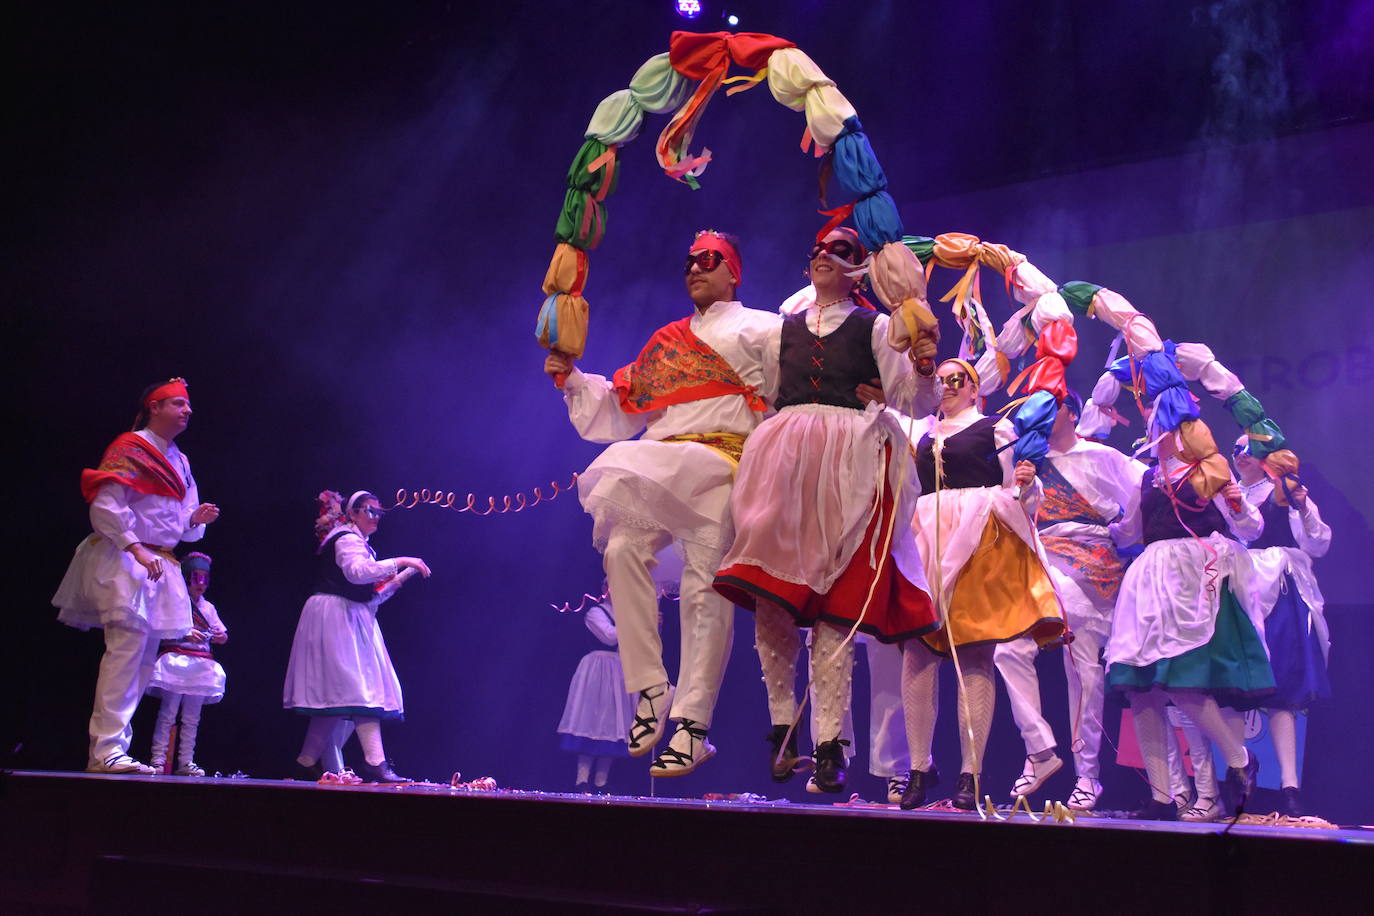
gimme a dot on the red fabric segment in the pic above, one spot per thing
(677, 366)
(137, 464)
(1059, 340)
(900, 610)
(697, 54)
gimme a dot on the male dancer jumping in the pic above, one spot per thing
(698, 388)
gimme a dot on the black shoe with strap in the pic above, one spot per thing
(964, 797)
(1240, 783)
(782, 768)
(673, 761)
(830, 775)
(918, 787)
(1290, 802)
(381, 773)
(1157, 811)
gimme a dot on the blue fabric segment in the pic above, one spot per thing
(856, 167)
(1164, 386)
(548, 318)
(1033, 422)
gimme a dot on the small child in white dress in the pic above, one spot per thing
(596, 717)
(186, 675)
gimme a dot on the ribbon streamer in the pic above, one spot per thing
(409, 499)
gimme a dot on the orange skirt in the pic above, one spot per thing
(1003, 593)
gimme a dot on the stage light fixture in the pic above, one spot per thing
(688, 9)
(732, 20)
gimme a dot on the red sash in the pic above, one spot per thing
(137, 464)
(677, 366)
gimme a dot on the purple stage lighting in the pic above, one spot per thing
(688, 9)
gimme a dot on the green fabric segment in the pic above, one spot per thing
(1244, 408)
(1260, 448)
(1079, 295)
(1233, 663)
(575, 204)
(1249, 413)
(921, 246)
(582, 186)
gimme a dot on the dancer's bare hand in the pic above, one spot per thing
(1024, 473)
(219, 637)
(204, 514)
(922, 353)
(1298, 497)
(871, 392)
(148, 560)
(414, 563)
(558, 363)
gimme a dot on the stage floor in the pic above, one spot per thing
(75, 842)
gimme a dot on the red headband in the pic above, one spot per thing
(176, 388)
(710, 240)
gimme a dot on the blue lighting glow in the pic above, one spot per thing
(689, 9)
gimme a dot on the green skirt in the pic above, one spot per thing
(1232, 665)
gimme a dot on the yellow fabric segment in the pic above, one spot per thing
(572, 316)
(1212, 472)
(729, 445)
(796, 81)
(567, 271)
(1003, 592)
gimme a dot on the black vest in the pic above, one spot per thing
(826, 370)
(1277, 532)
(1159, 521)
(970, 458)
(330, 580)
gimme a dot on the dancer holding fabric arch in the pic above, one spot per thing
(1187, 627)
(982, 558)
(1087, 487)
(823, 502)
(698, 388)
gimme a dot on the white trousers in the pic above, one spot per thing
(887, 747)
(707, 619)
(125, 669)
(1087, 688)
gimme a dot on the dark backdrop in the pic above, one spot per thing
(333, 219)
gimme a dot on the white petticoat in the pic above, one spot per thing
(339, 660)
(188, 674)
(598, 707)
(105, 586)
(807, 490)
(1165, 608)
(682, 488)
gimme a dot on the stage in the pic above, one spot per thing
(76, 843)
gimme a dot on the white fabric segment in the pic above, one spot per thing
(1050, 308)
(1197, 364)
(796, 81)
(1029, 284)
(193, 675)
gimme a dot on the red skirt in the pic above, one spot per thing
(900, 610)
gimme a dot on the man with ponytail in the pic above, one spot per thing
(124, 577)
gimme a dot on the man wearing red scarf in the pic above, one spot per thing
(124, 577)
(697, 389)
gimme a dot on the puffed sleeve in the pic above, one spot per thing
(357, 563)
(601, 625)
(1312, 534)
(111, 517)
(594, 409)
